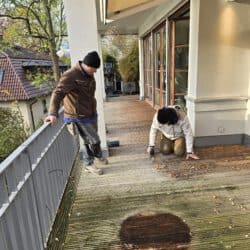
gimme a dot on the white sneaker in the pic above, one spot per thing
(103, 160)
(93, 169)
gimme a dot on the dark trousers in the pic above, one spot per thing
(91, 142)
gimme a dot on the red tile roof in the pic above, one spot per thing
(24, 53)
(14, 85)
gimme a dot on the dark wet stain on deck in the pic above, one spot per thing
(154, 231)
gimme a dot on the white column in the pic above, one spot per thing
(83, 37)
(141, 71)
(102, 72)
(218, 71)
(167, 63)
(193, 61)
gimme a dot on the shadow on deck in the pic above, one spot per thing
(166, 204)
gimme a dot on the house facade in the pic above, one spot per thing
(192, 53)
(17, 66)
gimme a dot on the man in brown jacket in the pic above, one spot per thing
(77, 88)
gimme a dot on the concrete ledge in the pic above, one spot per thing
(222, 139)
(246, 140)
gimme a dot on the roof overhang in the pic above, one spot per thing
(123, 16)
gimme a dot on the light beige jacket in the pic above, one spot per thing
(181, 129)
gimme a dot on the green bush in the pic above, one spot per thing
(129, 65)
(12, 132)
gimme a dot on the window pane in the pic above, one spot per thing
(164, 96)
(157, 97)
(158, 49)
(164, 80)
(147, 53)
(180, 100)
(180, 83)
(158, 75)
(150, 77)
(150, 93)
(164, 49)
(182, 32)
(181, 58)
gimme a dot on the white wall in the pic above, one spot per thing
(219, 67)
(219, 64)
(193, 61)
(224, 44)
(83, 37)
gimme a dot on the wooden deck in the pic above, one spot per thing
(211, 196)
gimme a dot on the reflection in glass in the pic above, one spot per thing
(181, 57)
(164, 97)
(160, 64)
(164, 80)
(158, 80)
(148, 71)
(164, 50)
(157, 97)
(149, 78)
(182, 32)
(150, 93)
(180, 83)
(158, 46)
(180, 100)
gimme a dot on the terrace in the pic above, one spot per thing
(135, 203)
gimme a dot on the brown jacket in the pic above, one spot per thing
(77, 92)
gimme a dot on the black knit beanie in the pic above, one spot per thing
(92, 59)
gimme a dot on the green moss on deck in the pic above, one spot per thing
(59, 230)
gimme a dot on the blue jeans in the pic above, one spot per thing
(91, 142)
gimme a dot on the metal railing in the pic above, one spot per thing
(32, 182)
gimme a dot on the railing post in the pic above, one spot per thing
(36, 201)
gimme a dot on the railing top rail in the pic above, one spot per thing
(15, 154)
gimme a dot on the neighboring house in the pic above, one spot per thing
(17, 65)
(194, 53)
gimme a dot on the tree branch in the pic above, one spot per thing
(39, 36)
(13, 17)
(61, 24)
(36, 16)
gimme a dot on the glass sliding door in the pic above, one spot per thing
(160, 65)
(179, 46)
(147, 56)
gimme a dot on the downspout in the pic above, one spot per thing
(32, 115)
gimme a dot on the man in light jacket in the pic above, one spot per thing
(177, 137)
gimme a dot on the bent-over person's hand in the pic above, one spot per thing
(51, 119)
(192, 156)
(151, 150)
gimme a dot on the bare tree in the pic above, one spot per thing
(43, 20)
